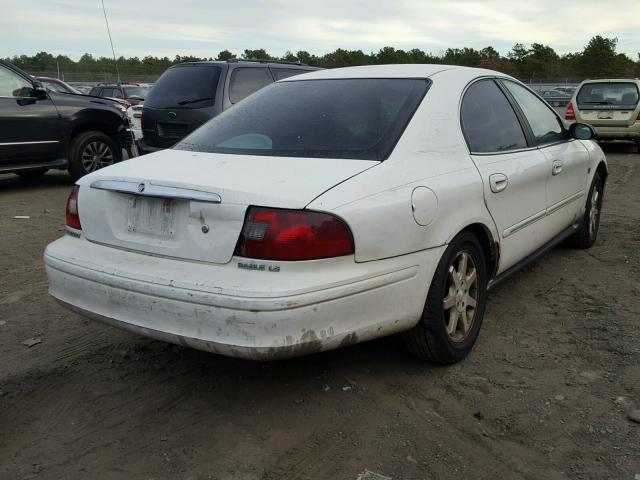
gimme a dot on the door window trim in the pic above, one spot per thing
(525, 127)
(524, 123)
(516, 106)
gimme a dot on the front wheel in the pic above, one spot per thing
(454, 309)
(587, 232)
(91, 151)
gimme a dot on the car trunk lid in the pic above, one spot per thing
(191, 205)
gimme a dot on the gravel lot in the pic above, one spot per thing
(545, 394)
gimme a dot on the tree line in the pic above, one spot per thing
(535, 62)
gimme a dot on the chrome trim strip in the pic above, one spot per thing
(565, 202)
(147, 189)
(524, 223)
(534, 218)
(29, 143)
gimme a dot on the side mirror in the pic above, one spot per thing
(39, 92)
(582, 131)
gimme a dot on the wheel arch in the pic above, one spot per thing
(603, 172)
(490, 246)
(101, 127)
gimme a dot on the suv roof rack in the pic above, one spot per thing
(260, 60)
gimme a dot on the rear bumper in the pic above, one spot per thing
(306, 307)
(631, 132)
(145, 147)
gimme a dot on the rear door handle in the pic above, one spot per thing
(498, 182)
(556, 167)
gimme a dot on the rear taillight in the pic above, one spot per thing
(73, 219)
(278, 234)
(570, 114)
(638, 119)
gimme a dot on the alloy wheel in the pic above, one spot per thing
(594, 212)
(459, 304)
(96, 155)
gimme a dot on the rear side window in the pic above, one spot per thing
(185, 86)
(544, 123)
(616, 94)
(488, 120)
(281, 73)
(342, 118)
(245, 81)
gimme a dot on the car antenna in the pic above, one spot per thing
(111, 42)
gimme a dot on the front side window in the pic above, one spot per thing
(544, 123)
(245, 81)
(108, 92)
(13, 85)
(342, 118)
(488, 120)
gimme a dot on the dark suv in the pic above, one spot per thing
(41, 129)
(133, 94)
(189, 94)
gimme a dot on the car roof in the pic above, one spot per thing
(612, 80)
(411, 70)
(249, 63)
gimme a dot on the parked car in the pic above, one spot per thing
(332, 208)
(189, 94)
(566, 90)
(135, 117)
(56, 85)
(555, 97)
(611, 106)
(41, 129)
(133, 94)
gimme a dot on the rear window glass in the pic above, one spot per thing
(138, 92)
(245, 81)
(623, 94)
(488, 120)
(281, 73)
(348, 118)
(185, 87)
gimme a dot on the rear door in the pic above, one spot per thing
(568, 159)
(514, 172)
(608, 104)
(30, 128)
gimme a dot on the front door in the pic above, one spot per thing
(568, 159)
(30, 129)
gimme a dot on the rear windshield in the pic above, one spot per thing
(618, 94)
(139, 92)
(349, 118)
(186, 86)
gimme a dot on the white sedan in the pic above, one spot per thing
(332, 208)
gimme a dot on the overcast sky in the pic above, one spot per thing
(203, 28)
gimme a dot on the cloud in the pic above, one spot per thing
(203, 28)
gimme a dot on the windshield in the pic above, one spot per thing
(57, 87)
(140, 92)
(349, 118)
(185, 86)
(610, 93)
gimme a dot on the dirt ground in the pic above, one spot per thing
(544, 395)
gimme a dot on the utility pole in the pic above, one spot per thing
(111, 42)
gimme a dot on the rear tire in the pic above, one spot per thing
(454, 309)
(587, 233)
(31, 174)
(91, 151)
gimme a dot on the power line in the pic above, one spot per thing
(111, 41)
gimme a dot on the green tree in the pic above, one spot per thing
(225, 55)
